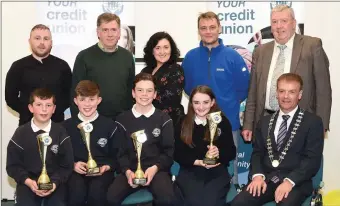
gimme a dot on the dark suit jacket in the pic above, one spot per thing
(310, 61)
(303, 158)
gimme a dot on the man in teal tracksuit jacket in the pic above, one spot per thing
(222, 69)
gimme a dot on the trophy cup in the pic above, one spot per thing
(139, 138)
(213, 120)
(44, 182)
(85, 130)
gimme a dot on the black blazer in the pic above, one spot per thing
(303, 158)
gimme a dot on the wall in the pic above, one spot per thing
(327, 27)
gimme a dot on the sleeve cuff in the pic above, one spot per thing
(258, 174)
(293, 183)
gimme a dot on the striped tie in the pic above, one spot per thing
(278, 71)
(282, 131)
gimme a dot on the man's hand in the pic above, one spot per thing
(283, 190)
(130, 175)
(247, 135)
(150, 173)
(257, 186)
(80, 168)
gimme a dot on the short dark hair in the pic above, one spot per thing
(149, 58)
(42, 93)
(87, 88)
(290, 77)
(144, 77)
(107, 17)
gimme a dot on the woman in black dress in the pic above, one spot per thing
(202, 184)
(161, 55)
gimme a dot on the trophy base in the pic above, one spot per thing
(139, 181)
(93, 171)
(45, 186)
(209, 161)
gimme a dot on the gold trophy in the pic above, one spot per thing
(213, 120)
(85, 130)
(44, 182)
(139, 138)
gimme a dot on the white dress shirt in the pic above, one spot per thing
(288, 58)
(148, 114)
(280, 119)
(35, 128)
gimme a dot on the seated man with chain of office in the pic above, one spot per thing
(287, 151)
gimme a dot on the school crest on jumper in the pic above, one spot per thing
(54, 149)
(102, 142)
(156, 132)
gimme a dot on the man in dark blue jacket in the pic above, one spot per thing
(219, 67)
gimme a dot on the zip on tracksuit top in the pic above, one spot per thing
(224, 71)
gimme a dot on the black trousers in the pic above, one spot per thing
(203, 189)
(25, 197)
(161, 188)
(82, 189)
(295, 197)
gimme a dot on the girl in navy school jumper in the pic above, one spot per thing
(203, 184)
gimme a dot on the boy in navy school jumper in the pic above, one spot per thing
(157, 151)
(24, 163)
(86, 189)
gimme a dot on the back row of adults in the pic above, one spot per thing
(212, 64)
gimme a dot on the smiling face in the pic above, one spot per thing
(288, 94)
(109, 34)
(41, 42)
(162, 51)
(282, 26)
(144, 93)
(87, 105)
(202, 104)
(42, 110)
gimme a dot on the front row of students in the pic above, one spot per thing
(114, 151)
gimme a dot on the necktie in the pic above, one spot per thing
(282, 131)
(278, 71)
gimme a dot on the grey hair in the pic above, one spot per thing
(282, 7)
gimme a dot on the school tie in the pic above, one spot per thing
(282, 131)
(278, 71)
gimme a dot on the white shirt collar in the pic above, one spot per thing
(35, 128)
(198, 121)
(91, 120)
(291, 113)
(289, 43)
(148, 114)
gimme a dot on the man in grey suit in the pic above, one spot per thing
(290, 52)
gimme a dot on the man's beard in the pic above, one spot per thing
(35, 52)
(211, 43)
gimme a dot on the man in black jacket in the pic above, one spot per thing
(287, 151)
(38, 70)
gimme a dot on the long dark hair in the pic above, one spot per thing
(149, 58)
(189, 120)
